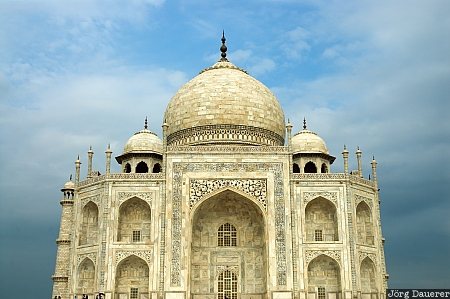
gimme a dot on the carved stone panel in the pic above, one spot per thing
(312, 254)
(331, 196)
(255, 188)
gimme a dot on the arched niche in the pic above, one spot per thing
(295, 168)
(89, 225)
(368, 277)
(310, 167)
(242, 219)
(321, 223)
(142, 167)
(364, 224)
(156, 168)
(324, 277)
(132, 278)
(127, 168)
(86, 277)
(134, 221)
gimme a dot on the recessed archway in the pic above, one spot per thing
(86, 277)
(132, 278)
(228, 234)
(324, 277)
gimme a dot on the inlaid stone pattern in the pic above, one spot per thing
(280, 222)
(147, 196)
(363, 255)
(91, 255)
(255, 188)
(95, 199)
(312, 254)
(145, 255)
(360, 198)
(222, 268)
(331, 196)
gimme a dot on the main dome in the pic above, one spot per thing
(224, 105)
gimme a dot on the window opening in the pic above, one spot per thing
(136, 236)
(295, 168)
(318, 236)
(324, 168)
(310, 167)
(134, 292)
(320, 293)
(227, 235)
(227, 285)
(127, 168)
(141, 167)
(156, 168)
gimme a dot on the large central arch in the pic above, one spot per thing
(228, 240)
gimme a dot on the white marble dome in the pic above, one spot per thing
(221, 105)
(307, 141)
(144, 141)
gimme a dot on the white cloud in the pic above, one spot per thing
(262, 66)
(295, 43)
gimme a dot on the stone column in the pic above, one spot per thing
(89, 168)
(358, 158)
(61, 276)
(345, 156)
(289, 132)
(108, 153)
(374, 171)
(77, 169)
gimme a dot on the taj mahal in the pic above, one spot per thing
(231, 202)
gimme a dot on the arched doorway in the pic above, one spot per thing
(368, 279)
(132, 278)
(324, 278)
(228, 253)
(86, 278)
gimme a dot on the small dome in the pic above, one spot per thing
(69, 185)
(307, 141)
(144, 141)
(223, 104)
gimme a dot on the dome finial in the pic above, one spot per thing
(146, 123)
(304, 123)
(223, 48)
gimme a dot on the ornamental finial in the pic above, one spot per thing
(223, 48)
(304, 123)
(146, 123)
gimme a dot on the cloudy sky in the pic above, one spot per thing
(374, 74)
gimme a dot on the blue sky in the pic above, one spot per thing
(374, 74)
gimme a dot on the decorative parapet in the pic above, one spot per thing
(124, 177)
(331, 177)
(227, 149)
(255, 188)
(225, 133)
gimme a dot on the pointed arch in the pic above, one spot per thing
(364, 224)
(368, 276)
(295, 168)
(127, 168)
(132, 277)
(134, 222)
(156, 168)
(321, 222)
(310, 167)
(86, 277)
(89, 225)
(235, 214)
(141, 167)
(324, 277)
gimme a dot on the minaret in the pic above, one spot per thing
(62, 267)
(89, 168)
(374, 171)
(77, 169)
(108, 153)
(358, 158)
(289, 132)
(345, 156)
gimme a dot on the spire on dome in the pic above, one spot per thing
(304, 123)
(223, 48)
(146, 123)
